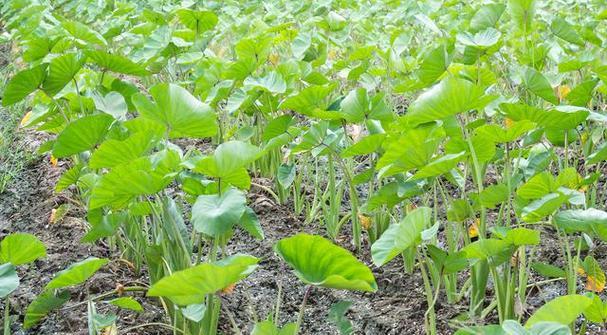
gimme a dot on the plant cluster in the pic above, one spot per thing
(449, 136)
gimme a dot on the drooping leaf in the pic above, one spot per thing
(76, 273)
(82, 33)
(537, 84)
(9, 281)
(127, 303)
(114, 152)
(21, 248)
(439, 166)
(189, 286)
(563, 29)
(115, 63)
(61, 71)
(82, 135)
(401, 236)
(319, 262)
(590, 221)
(42, 305)
(23, 83)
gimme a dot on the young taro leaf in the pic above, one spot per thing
(42, 305)
(190, 286)
(81, 135)
(564, 310)
(76, 273)
(9, 281)
(319, 262)
(217, 214)
(21, 248)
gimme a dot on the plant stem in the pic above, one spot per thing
(7, 322)
(303, 307)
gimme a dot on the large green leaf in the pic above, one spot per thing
(487, 16)
(540, 208)
(82, 135)
(439, 166)
(537, 84)
(216, 214)
(229, 163)
(114, 152)
(312, 101)
(83, 34)
(357, 106)
(113, 103)
(449, 97)
(590, 221)
(21, 248)
(142, 176)
(563, 29)
(401, 236)
(319, 262)
(271, 82)
(23, 83)
(197, 20)
(366, 145)
(563, 310)
(61, 71)
(178, 110)
(9, 281)
(42, 305)
(76, 273)
(190, 286)
(115, 63)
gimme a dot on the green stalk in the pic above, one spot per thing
(7, 321)
(303, 308)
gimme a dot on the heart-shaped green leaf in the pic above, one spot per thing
(319, 262)
(216, 214)
(190, 286)
(76, 273)
(21, 248)
(563, 310)
(81, 135)
(23, 83)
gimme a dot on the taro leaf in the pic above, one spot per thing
(178, 110)
(498, 134)
(216, 214)
(42, 305)
(401, 236)
(229, 163)
(548, 270)
(250, 222)
(566, 31)
(494, 194)
(194, 312)
(439, 166)
(522, 236)
(272, 82)
(538, 186)
(543, 207)
(113, 103)
(512, 327)
(597, 312)
(83, 33)
(23, 83)
(82, 135)
(582, 93)
(319, 262)
(357, 106)
(486, 248)
(76, 273)
(337, 315)
(487, 16)
(590, 221)
(9, 281)
(537, 84)
(312, 101)
(61, 71)
(115, 63)
(114, 152)
(449, 97)
(286, 175)
(599, 155)
(143, 176)
(127, 303)
(482, 39)
(190, 286)
(21, 248)
(197, 20)
(104, 227)
(269, 328)
(365, 146)
(563, 310)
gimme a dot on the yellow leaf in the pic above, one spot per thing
(54, 161)
(595, 284)
(274, 58)
(365, 221)
(26, 118)
(563, 91)
(508, 123)
(473, 229)
(228, 289)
